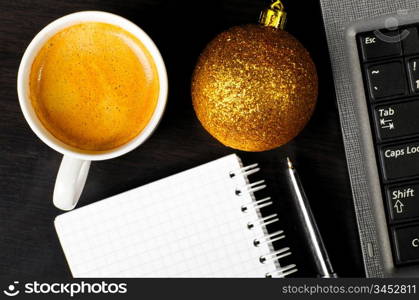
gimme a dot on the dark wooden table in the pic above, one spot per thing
(28, 243)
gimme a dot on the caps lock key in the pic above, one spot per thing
(400, 161)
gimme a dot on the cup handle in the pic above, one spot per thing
(70, 181)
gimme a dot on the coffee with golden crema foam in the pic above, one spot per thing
(94, 86)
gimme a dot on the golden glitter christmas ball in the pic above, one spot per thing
(254, 87)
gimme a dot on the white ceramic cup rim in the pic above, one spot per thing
(25, 68)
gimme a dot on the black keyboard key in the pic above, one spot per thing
(403, 201)
(413, 66)
(406, 243)
(400, 161)
(397, 120)
(386, 80)
(410, 40)
(379, 44)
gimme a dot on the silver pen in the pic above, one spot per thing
(322, 261)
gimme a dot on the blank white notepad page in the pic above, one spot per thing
(186, 225)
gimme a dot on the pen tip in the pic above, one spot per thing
(289, 163)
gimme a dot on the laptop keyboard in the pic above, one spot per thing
(391, 81)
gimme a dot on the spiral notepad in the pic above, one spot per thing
(204, 222)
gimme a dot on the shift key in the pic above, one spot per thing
(400, 161)
(403, 201)
(397, 120)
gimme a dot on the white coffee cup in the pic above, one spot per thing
(75, 165)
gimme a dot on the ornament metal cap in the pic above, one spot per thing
(274, 16)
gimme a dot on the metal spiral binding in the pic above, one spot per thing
(249, 170)
(282, 272)
(252, 188)
(275, 255)
(257, 204)
(273, 237)
(265, 221)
